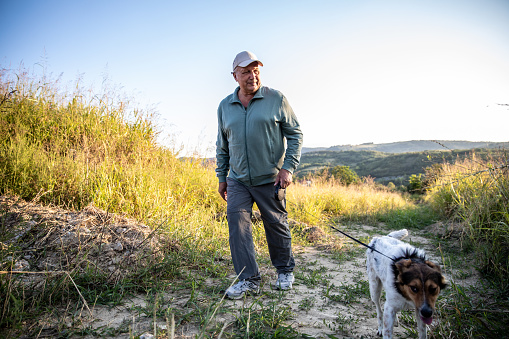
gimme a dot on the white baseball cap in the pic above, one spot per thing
(244, 59)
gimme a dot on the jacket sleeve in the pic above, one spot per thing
(294, 138)
(222, 150)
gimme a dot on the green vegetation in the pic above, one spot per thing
(98, 158)
(342, 174)
(413, 146)
(384, 167)
(75, 150)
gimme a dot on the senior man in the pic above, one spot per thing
(252, 163)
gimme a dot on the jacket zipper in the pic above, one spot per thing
(245, 144)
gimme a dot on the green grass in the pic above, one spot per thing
(348, 293)
(412, 217)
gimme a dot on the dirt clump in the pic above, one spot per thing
(53, 239)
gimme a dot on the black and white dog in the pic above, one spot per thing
(409, 280)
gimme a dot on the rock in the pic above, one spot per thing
(21, 265)
(121, 230)
(117, 246)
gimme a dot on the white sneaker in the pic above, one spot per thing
(285, 281)
(238, 290)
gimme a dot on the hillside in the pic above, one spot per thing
(412, 146)
(384, 166)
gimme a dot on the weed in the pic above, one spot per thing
(313, 277)
(265, 321)
(348, 293)
(477, 192)
(306, 304)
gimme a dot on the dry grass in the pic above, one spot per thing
(476, 192)
(327, 198)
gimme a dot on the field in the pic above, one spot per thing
(105, 233)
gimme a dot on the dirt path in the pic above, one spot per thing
(330, 298)
(318, 304)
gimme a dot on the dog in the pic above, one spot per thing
(409, 280)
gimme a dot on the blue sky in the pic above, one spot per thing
(353, 71)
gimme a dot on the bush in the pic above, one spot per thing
(415, 184)
(341, 174)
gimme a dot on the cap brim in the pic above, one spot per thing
(249, 62)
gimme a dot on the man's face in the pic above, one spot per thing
(248, 78)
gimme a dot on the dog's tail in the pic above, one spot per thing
(398, 234)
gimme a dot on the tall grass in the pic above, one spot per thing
(476, 192)
(74, 149)
(365, 202)
(79, 149)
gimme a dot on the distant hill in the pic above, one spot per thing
(412, 146)
(395, 161)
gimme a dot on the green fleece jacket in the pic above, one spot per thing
(250, 145)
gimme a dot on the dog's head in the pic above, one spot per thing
(419, 281)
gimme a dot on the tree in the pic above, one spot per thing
(345, 175)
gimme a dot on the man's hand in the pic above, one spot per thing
(284, 178)
(222, 190)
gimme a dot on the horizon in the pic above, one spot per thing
(401, 141)
(325, 148)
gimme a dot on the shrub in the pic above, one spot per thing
(415, 183)
(341, 174)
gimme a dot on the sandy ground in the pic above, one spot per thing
(314, 314)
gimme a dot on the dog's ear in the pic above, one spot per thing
(443, 283)
(401, 270)
(403, 264)
(433, 266)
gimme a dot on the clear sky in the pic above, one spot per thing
(354, 71)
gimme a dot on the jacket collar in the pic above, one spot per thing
(235, 96)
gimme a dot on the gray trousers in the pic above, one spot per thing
(275, 221)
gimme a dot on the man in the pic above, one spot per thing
(253, 123)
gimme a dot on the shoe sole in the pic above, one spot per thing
(242, 295)
(283, 288)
